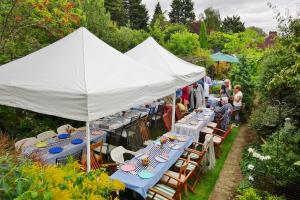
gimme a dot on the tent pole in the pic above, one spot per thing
(173, 112)
(88, 152)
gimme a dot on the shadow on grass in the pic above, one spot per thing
(209, 179)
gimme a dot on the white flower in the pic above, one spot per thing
(256, 155)
(250, 150)
(250, 178)
(267, 157)
(250, 166)
(260, 157)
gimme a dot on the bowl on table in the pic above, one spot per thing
(145, 161)
(63, 135)
(172, 138)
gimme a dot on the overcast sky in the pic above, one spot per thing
(252, 12)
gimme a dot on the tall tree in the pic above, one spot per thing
(233, 24)
(212, 19)
(258, 30)
(157, 13)
(182, 11)
(138, 14)
(117, 11)
(203, 35)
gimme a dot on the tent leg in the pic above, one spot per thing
(173, 112)
(88, 152)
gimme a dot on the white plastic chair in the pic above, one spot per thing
(63, 128)
(19, 144)
(83, 129)
(25, 143)
(117, 154)
(46, 135)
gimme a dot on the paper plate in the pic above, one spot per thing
(181, 138)
(145, 174)
(194, 122)
(41, 144)
(176, 146)
(128, 167)
(160, 159)
(55, 150)
(77, 141)
(63, 136)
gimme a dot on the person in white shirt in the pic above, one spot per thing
(237, 101)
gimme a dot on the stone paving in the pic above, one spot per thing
(231, 174)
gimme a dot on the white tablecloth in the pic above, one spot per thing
(192, 124)
(201, 119)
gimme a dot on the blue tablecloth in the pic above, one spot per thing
(141, 186)
(68, 148)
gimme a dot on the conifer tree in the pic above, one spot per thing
(117, 11)
(138, 14)
(203, 35)
(182, 11)
(157, 13)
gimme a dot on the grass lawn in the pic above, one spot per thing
(209, 179)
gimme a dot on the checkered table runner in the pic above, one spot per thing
(152, 151)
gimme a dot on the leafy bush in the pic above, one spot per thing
(18, 123)
(22, 179)
(272, 166)
(265, 119)
(241, 74)
(202, 58)
(183, 43)
(252, 194)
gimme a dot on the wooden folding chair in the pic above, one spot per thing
(195, 165)
(145, 132)
(98, 164)
(167, 118)
(183, 175)
(163, 191)
(219, 136)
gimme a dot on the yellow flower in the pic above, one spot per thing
(60, 194)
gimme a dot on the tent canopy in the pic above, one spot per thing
(79, 77)
(156, 57)
(221, 57)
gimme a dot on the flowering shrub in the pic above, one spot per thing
(252, 194)
(272, 165)
(23, 179)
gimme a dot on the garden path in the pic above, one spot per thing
(231, 174)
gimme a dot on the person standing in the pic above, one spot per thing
(185, 96)
(207, 85)
(226, 89)
(237, 102)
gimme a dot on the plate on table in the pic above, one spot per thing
(181, 138)
(145, 174)
(63, 136)
(77, 141)
(160, 159)
(174, 146)
(41, 144)
(194, 122)
(55, 150)
(128, 167)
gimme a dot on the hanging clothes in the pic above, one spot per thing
(200, 96)
(193, 98)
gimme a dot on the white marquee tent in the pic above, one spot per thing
(151, 54)
(80, 77)
(158, 58)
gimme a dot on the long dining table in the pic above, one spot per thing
(192, 124)
(141, 185)
(65, 144)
